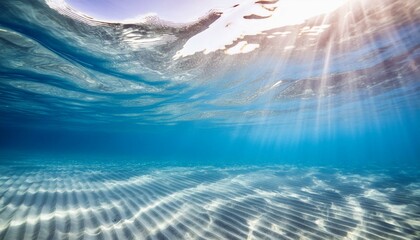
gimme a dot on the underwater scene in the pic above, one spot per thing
(218, 119)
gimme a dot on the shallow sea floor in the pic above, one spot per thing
(46, 200)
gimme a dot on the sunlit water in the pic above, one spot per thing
(259, 121)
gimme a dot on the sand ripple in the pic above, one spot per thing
(208, 203)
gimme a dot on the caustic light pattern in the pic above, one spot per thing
(276, 202)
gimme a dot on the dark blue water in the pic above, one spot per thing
(106, 134)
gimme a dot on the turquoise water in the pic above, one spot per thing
(107, 132)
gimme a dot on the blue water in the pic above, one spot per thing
(105, 135)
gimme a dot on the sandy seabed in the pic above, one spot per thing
(270, 202)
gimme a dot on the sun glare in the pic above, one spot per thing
(252, 18)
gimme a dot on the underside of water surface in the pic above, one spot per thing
(259, 120)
